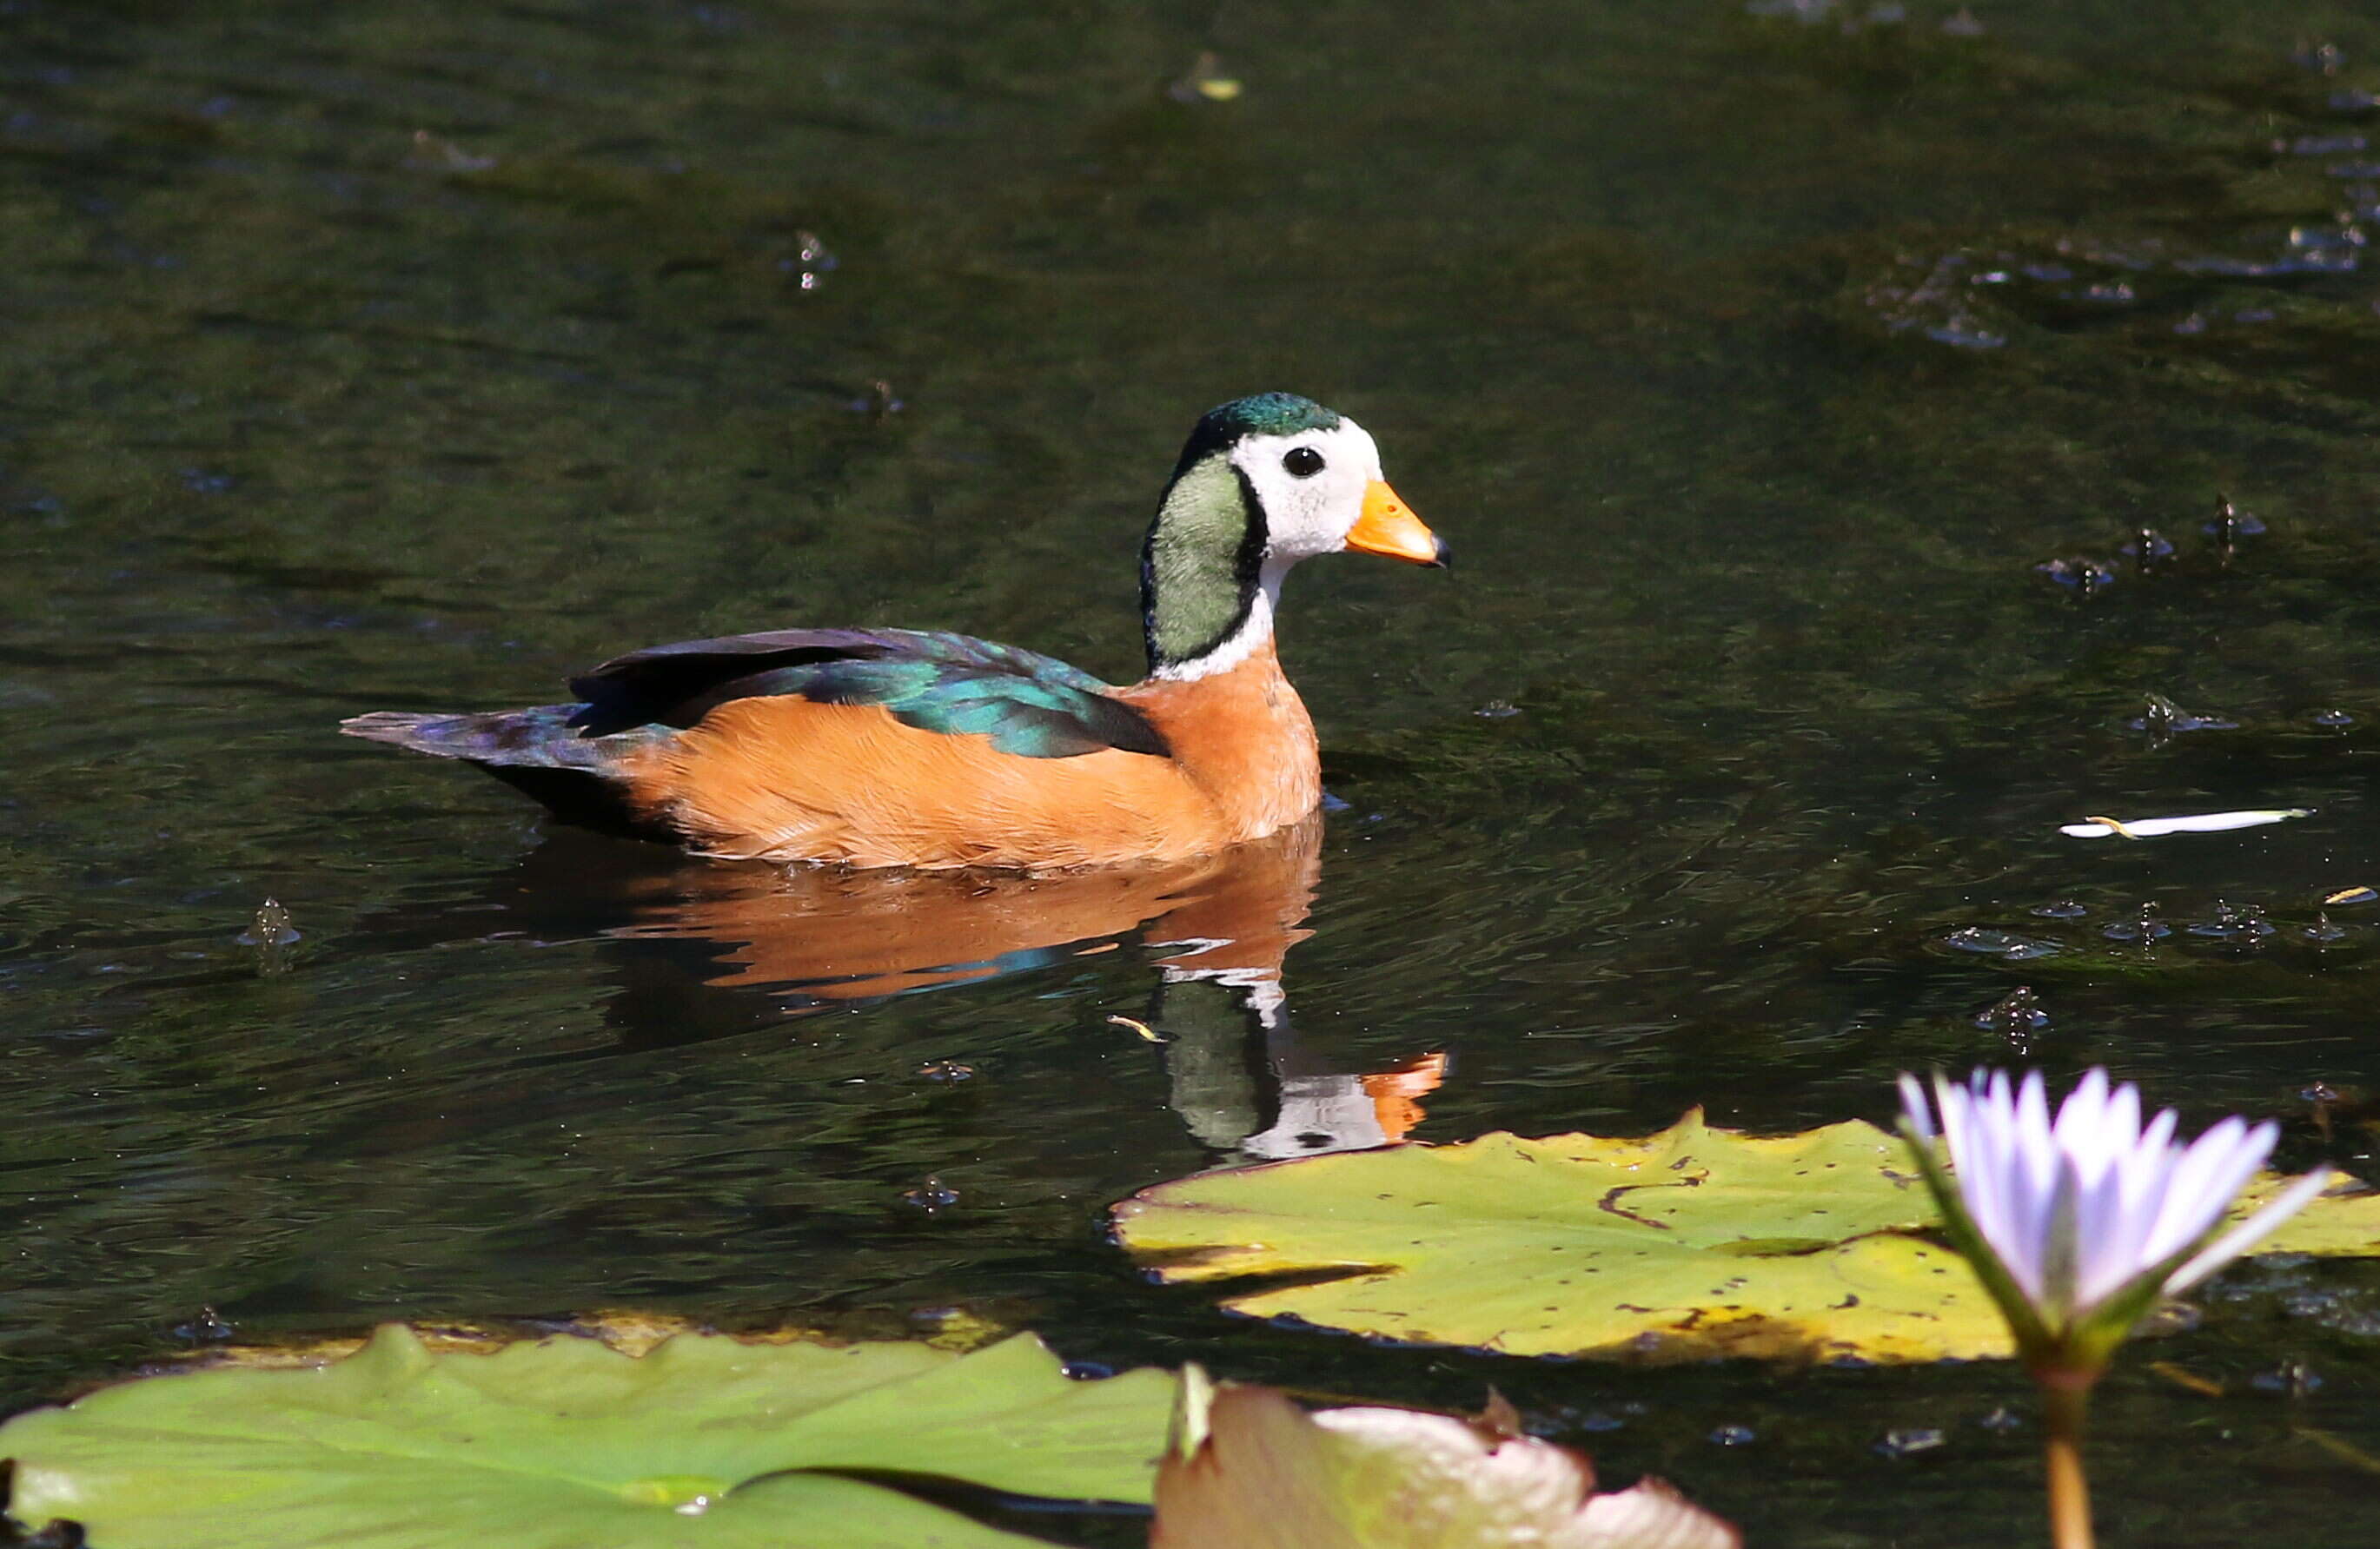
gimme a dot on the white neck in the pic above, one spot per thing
(1241, 643)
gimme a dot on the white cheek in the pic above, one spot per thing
(1309, 516)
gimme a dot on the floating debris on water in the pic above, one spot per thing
(270, 928)
(2195, 823)
(1912, 1441)
(1933, 305)
(1498, 710)
(880, 405)
(2163, 718)
(209, 1328)
(930, 1196)
(945, 1072)
(272, 934)
(2080, 575)
(2002, 944)
(2148, 548)
(2230, 524)
(2143, 928)
(2000, 1419)
(1735, 1436)
(2060, 909)
(1204, 82)
(2350, 896)
(2323, 58)
(1148, 1035)
(2242, 925)
(431, 153)
(808, 265)
(2332, 721)
(2320, 145)
(2183, 1378)
(2014, 1015)
(2324, 932)
(2293, 1379)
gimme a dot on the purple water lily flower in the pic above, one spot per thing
(2090, 1217)
(2078, 1225)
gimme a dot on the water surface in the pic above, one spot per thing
(363, 357)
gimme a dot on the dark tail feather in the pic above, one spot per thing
(541, 738)
(535, 751)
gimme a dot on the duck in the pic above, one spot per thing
(876, 747)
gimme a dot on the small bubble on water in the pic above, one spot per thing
(1735, 1436)
(2333, 721)
(209, 1328)
(945, 1072)
(2060, 909)
(1498, 710)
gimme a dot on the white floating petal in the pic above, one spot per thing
(2194, 823)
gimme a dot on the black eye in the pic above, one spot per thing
(1303, 462)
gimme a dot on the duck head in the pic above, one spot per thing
(1264, 482)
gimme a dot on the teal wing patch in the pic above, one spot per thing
(1030, 705)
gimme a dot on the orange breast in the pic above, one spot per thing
(786, 778)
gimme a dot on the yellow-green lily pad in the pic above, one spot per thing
(1690, 1243)
(563, 1443)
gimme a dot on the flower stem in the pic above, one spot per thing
(2064, 1398)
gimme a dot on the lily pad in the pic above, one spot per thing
(565, 1442)
(1690, 1243)
(1249, 1470)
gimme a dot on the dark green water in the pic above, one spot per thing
(301, 417)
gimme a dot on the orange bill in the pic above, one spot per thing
(1387, 527)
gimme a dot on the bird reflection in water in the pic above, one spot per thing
(1242, 1080)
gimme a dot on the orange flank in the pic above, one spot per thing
(787, 778)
